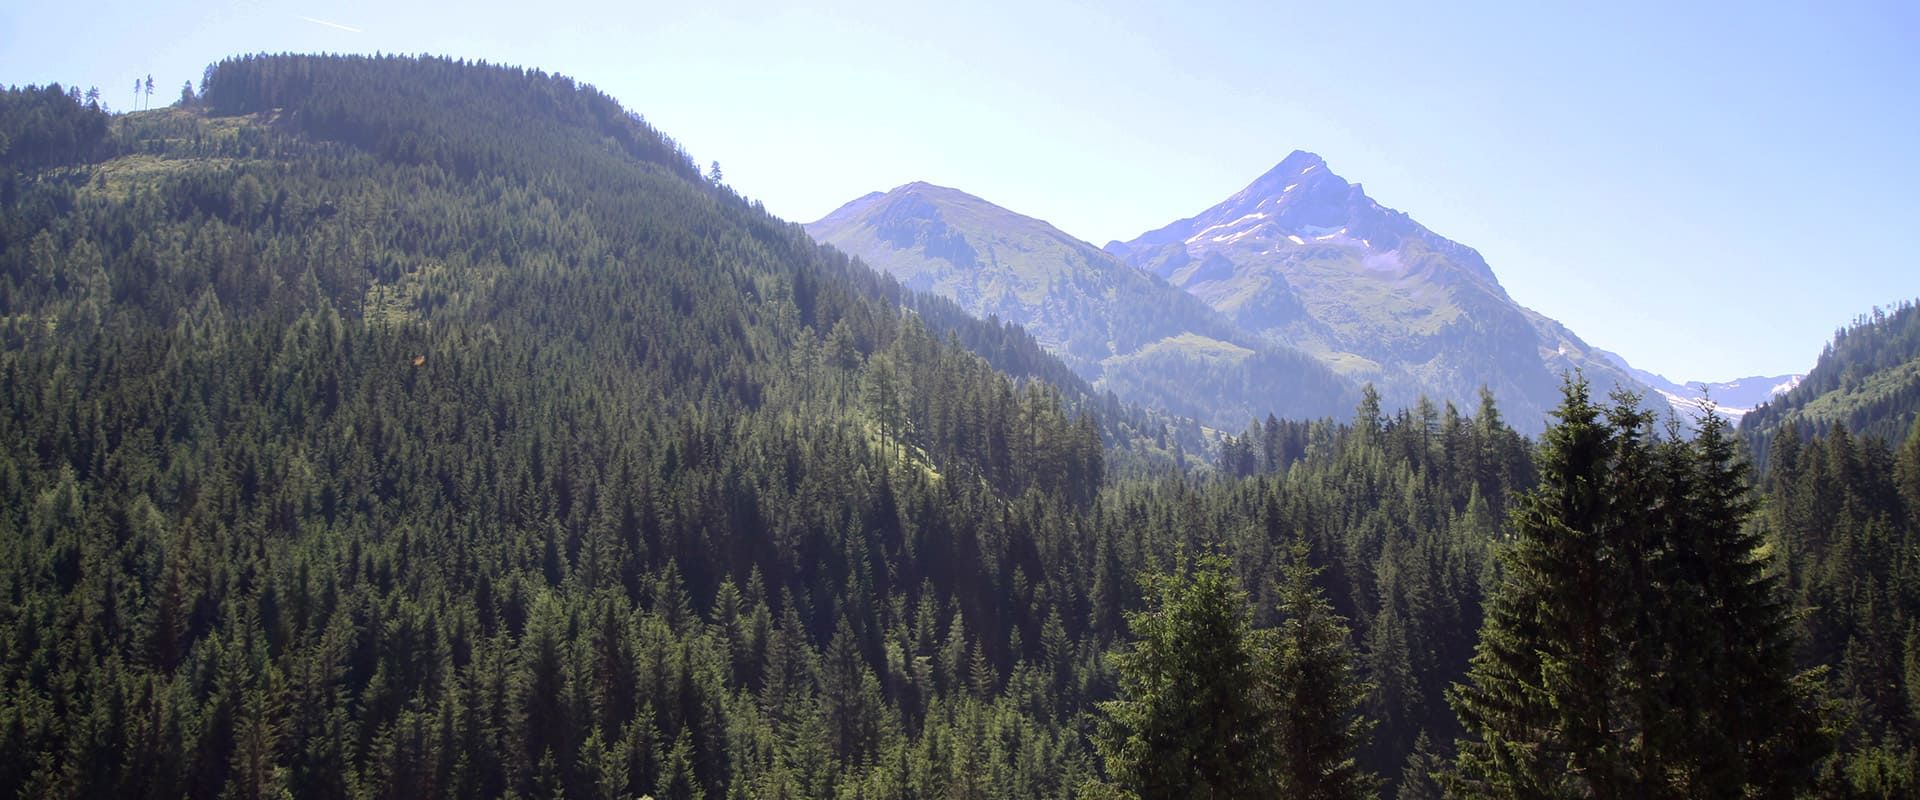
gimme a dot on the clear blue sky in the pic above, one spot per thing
(1708, 189)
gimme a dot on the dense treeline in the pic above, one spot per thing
(468, 120)
(349, 449)
(1401, 513)
(47, 126)
(1841, 453)
(1844, 512)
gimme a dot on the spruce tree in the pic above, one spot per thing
(1192, 723)
(1310, 678)
(1539, 698)
(1752, 727)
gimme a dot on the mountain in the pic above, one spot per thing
(1306, 258)
(1122, 328)
(411, 427)
(1867, 380)
(1730, 399)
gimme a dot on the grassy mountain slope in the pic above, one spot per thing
(1121, 328)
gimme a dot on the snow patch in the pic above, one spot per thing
(1786, 386)
(1230, 238)
(1257, 215)
(1296, 239)
(1694, 409)
(1334, 235)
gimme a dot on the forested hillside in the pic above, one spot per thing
(1842, 482)
(1866, 381)
(360, 416)
(392, 427)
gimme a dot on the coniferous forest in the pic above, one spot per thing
(409, 427)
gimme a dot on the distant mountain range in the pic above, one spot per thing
(1123, 328)
(1254, 305)
(1731, 399)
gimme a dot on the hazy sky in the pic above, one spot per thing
(1708, 191)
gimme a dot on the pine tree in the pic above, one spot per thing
(1367, 419)
(1419, 780)
(540, 690)
(255, 772)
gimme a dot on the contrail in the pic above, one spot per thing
(333, 25)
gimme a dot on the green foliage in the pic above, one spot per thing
(357, 462)
(1839, 512)
(1210, 707)
(46, 127)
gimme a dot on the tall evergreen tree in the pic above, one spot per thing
(1192, 722)
(1749, 724)
(1907, 468)
(1310, 678)
(1542, 689)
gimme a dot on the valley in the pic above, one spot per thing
(394, 426)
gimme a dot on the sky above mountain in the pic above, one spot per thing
(1707, 189)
